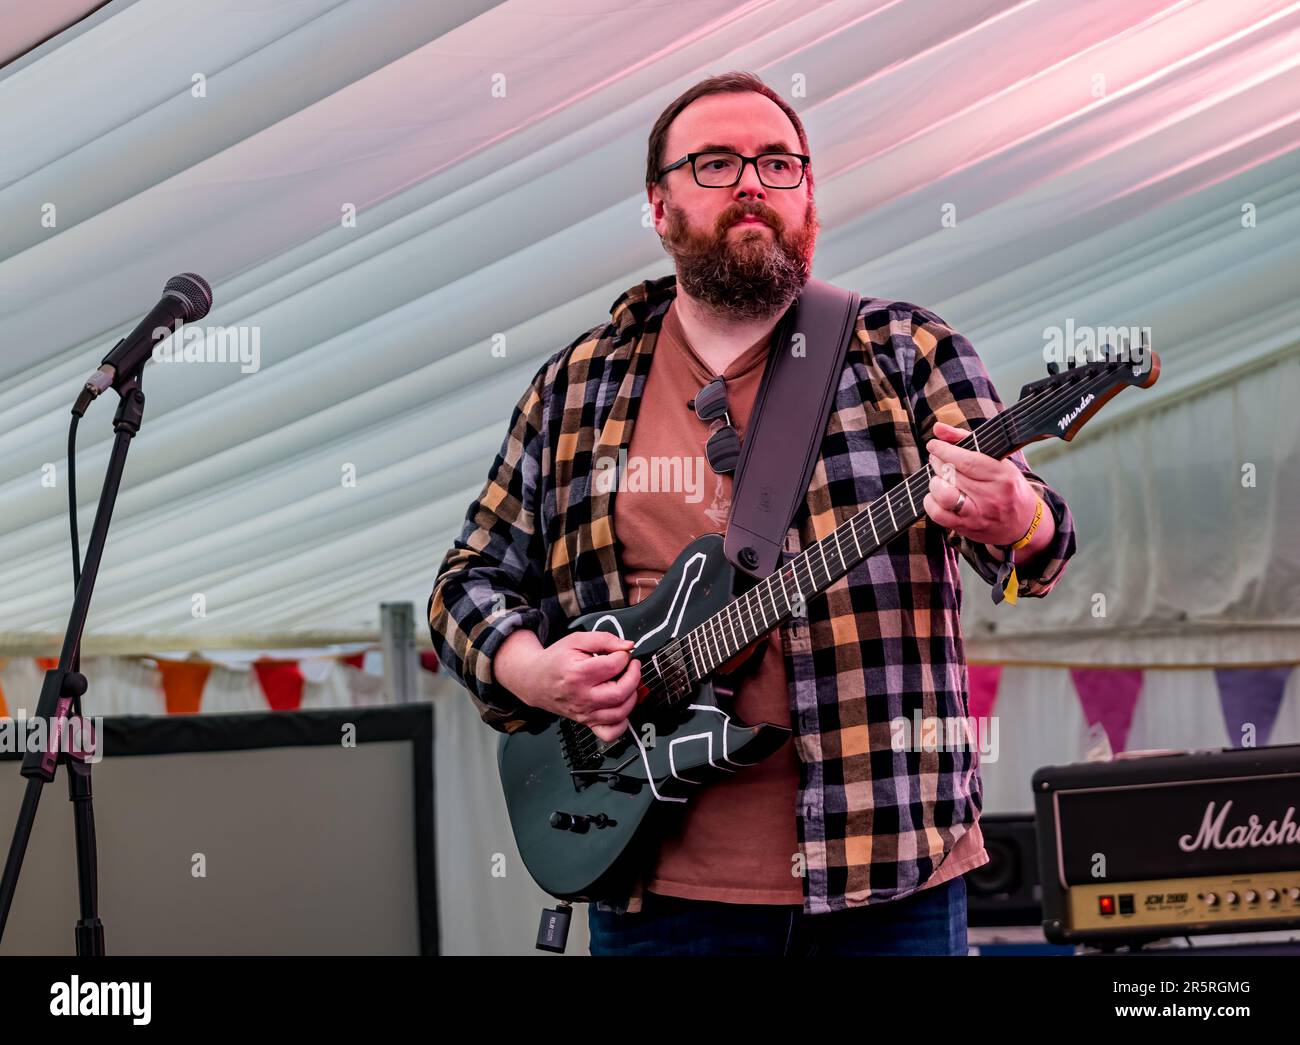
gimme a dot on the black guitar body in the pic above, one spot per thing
(586, 814)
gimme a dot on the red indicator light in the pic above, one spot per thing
(1106, 904)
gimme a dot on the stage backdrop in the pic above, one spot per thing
(412, 206)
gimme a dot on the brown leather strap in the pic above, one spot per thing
(787, 422)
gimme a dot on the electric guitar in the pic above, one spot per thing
(586, 812)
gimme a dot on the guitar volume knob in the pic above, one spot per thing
(574, 822)
(578, 823)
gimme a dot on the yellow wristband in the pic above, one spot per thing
(1029, 534)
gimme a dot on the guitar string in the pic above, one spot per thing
(852, 524)
(661, 682)
(729, 614)
(664, 683)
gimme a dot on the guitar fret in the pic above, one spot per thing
(889, 503)
(681, 664)
(871, 518)
(856, 544)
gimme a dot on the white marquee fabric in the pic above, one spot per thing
(27, 25)
(1125, 162)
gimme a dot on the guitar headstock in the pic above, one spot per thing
(1059, 405)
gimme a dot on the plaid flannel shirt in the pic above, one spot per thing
(538, 549)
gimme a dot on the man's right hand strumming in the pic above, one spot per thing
(585, 676)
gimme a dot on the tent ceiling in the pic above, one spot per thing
(28, 25)
(1097, 159)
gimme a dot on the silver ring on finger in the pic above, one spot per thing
(961, 500)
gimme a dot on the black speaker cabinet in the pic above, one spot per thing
(1006, 891)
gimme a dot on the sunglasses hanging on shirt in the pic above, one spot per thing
(723, 445)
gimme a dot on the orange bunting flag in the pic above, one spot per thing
(182, 683)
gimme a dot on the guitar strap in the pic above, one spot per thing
(784, 435)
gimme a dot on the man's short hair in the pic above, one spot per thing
(726, 83)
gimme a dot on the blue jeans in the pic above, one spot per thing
(932, 921)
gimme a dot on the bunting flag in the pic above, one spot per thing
(281, 681)
(982, 685)
(1250, 699)
(182, 683)
(1108, 696)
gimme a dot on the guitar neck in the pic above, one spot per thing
(784, 593)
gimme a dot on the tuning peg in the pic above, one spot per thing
(1069, 363)
(1053, 368)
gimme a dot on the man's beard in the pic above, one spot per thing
(750, 274)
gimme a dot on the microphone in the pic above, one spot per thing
(186, 298)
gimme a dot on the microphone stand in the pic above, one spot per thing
(60, 704)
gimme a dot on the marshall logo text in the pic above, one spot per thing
(1249, 835)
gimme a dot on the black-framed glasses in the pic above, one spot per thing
(723, 445)
(722, 170)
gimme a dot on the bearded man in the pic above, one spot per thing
(840, 843)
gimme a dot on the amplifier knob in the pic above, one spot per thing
(1293, 892)
(1211, 900)
(1252, 896)
(1230, 897)
(1270, 895)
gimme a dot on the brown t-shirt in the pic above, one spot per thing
(737, 841)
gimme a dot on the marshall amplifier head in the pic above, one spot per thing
(1170, 845)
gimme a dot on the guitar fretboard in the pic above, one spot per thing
(699, 653)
